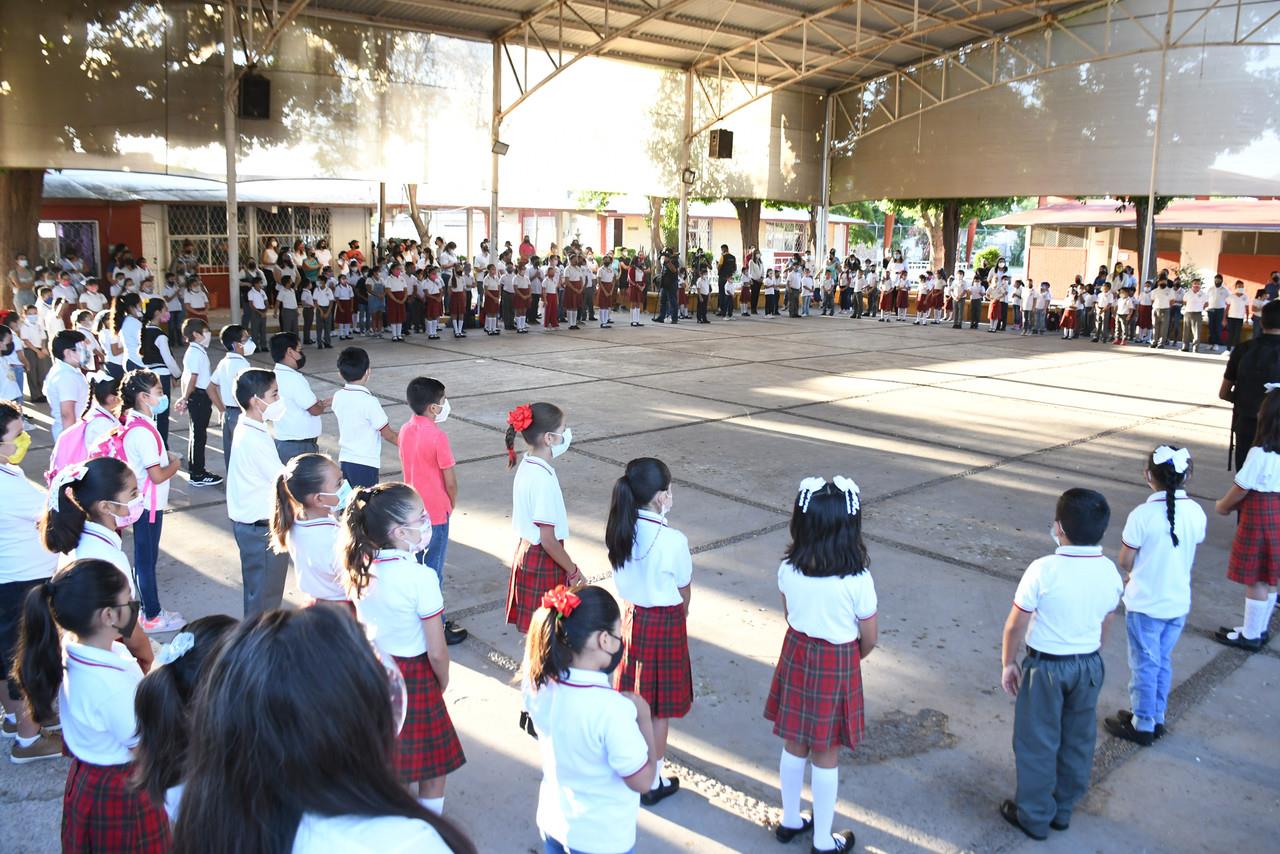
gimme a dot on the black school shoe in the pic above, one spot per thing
(1230, 637)
(453, 633)
(1123, 728)
(1009, 812)
(843, 840)
(786, 834)
(1127, 715)
(666, 789)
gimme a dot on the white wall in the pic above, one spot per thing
(1200, 249)
(347, 224)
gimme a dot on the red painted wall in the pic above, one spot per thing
(118, 222)
(1254, 269)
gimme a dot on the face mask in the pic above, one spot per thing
(32, 319)
(274, 411)
(1053, 532)
(615, 658)
(23, 263)
(343, 495)
(302, 361)
(248, 347)
(85, 354)
(127, 629)
(161, 406)
(135, 512)
(8, 349)
(424, 535)
(671, 502)
(206, 339)
(566, 438)
(443, 415)
(21, 442)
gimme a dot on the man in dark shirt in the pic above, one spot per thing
(1250, 366)
(725, 268)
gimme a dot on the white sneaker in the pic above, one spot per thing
(165, 621)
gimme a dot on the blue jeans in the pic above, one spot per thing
(19, 375)
(434, 555)
(146, 552)
(550, 846)
(1151, 643)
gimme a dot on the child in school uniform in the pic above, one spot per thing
(806, 292)
(815, 700)
(491, 296)
(196, 399)
(362, 423)
(1255, 549)
(551, 295)
(163, 705)
(458, 287)
(537, 512)
(236, 341)
(522, 298)
(251, 477)
(68, 646)
(344, 296)
(703, 287)
(606, 281)
(653, 570)
(396, 288)
(770, 289)
(65, 386)
(1125, 305)
(400, 601)
(256, 312)
(1062, 606)
(1159, 547)
(309, 494)
(324, 299)
(596, 743)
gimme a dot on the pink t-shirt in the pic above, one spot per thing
(424, 455)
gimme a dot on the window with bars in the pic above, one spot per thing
(786, 236)
(288, 224)
(1059, 238)
(58, 237)
(699, 235)
(206, 227)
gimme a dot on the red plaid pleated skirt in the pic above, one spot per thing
(492, 304)
(816, 696)
(995, 310)
(1069, 318)
(521, 302)
(744, 292)
(938, 299)
(887, 300)
(572, 299)
(533, 573)
(655, 663)
(1255, 551)
(457, 304)
(435, 306)
(102, 813)
(343, 311)
(604, 296)
(395, 310)
(1144, 317)
(635, 296)
(428, 745)
(682, 296)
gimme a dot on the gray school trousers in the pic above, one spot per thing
(262, 571)
(1055, 728)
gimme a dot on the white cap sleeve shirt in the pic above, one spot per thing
(22, 504)
(364, 834)
(1260, 472)
(660, 564)
(360, 420)
(590, 742)
(827, 608)
(295, 391)
(1160, 583)
(312, 550)
(96, 702)
(103, 544)
(401, 594)
(1068, 594)
(536, 500)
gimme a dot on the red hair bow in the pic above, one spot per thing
(520, 418)
(560, 600)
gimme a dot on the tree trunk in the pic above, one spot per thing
(20, 194)
(376, 255)
(420, 223)
(813, 233)
(950, 234)
(933, 225)
(1146, 267)
(748, 224)
(655, 224)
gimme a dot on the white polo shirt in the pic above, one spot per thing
(401, 594)
(95, 302)
(257, 298)
(1260, 472)
(1162, 298)
(96, 702)
(295, 391)
(143, 452)
(590, 743)
(364, 834)
(1195, 302)
(536, 500)
(312, 550)
(196, 298)
(64, 382)
(1068, 594)
(1160, 583)
(100, 543)
(660, 564)
(1217, 296)
(251, 477)
(22, 505)
(360, 420)
(195, 362)
(827, 608)
(225, 376)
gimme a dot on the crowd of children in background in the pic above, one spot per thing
(153, 737)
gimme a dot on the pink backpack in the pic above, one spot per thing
(112, 445)
(70, 447)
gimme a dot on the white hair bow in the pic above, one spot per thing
(180, 645)
(67, 476)
(1181, 457)
(851, 493)
(808, 487)
(1267, 388)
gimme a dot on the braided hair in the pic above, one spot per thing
(1168, 478)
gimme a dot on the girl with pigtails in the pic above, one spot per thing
(399, 601)
(537, 510)
(1159, 547)
(815, 701)
(653, 570)
(598, 751)
(309, 494)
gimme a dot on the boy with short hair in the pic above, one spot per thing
(362, 423)
(197, 394)
(428, 464)
(1062, 606)
(222, 383)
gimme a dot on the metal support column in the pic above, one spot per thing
(820, 241)
(686, 140)
(495, 124)
(229, 88)
(1149, 227)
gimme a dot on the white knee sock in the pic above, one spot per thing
(1255, 618)
(635, 315)
(1271, 608)
(791, 772)
(657, 775)
(823, 784)
(436, 805)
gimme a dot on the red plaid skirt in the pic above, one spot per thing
(604, 298)
(521, 302)
(995, 310)
(1144, 317)
(1069, 318)
(1255, 551)
(682, 296)
(343, 311)
(457, 304)
(887, 300)
(551, 311)
(101, 813)
(635, 296)
(533, 573)
(938, 299)
(904, 298)
(744, 293)
(572, 299)
(816, 696)
(428, 745)
(655, 663)
(492, 304)
(435, 306)
(395, 310)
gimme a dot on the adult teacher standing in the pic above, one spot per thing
(1250, 367)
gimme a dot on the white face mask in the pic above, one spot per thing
(566, 437)
(1053, 532)
(443, 415)
(274, 411)
(248, 347)
(23, 263)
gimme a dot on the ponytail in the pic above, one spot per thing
(302, 478)
(643, 479)
(135, 382)
(68, 601)
(282, 515)
(102, 387)
(560, 628)
(366, 528)
(63, 523)
(1166, 476)
(531, 421)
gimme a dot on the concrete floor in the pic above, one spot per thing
(961, 442)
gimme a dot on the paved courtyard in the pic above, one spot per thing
(960, 440)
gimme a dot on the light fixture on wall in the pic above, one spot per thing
(500, 147)
(688, 176)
